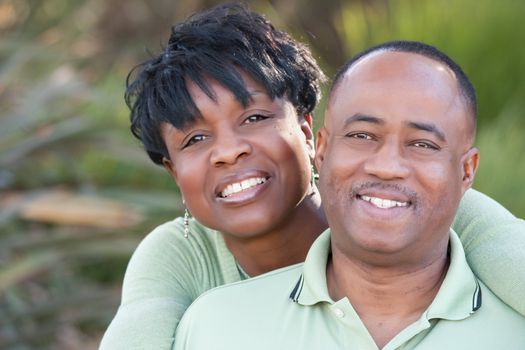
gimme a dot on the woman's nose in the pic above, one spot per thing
(228, 148)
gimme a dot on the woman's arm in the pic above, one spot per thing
(494, 242)
(155, 295)
(165, 274)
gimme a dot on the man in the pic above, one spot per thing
(395, 157)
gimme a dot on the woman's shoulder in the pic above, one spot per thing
(168, 242)
(199, 261)
(173, 232)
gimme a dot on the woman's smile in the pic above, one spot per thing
(243, 187)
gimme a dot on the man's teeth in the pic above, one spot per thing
(241, 186)
(383, 203)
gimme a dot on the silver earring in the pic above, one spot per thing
(186, 220)
(313, 177)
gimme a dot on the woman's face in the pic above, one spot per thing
(242, 171)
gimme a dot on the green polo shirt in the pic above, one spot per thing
(291, 309)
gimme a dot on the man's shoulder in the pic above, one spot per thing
(265, 294)
(494, 310)
(233, 316)
(267, 286)
(493, 326)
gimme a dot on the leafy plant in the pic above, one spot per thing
(78, 193)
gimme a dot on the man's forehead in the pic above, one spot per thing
(383, 64)
(396, 71)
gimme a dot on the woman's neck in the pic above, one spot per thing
(284, 245)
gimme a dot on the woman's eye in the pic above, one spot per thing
(255, 118)
(360, 136)
(194, 139)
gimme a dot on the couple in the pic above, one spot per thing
(226, 109)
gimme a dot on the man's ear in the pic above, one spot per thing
(470, 162)
(306, 123)
(321, 145)
(170, 167)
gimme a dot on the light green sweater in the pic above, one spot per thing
(168, 272)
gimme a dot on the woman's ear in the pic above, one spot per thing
(306, 123)
(470, 162)
(170, 167)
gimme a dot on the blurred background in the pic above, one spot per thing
(77, 192)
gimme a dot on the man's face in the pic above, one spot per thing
(395, 158)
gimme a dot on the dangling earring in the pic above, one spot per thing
(186, 220)
(313, 177)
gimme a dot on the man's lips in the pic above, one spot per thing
(383, 203)
(384, 196)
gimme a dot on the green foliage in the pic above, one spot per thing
(502, 165)
(64, 128)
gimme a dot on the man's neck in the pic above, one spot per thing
(389, 299)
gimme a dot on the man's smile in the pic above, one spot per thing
(383, 203)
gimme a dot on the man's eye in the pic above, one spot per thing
(255, 118)
(194, 139)
(425, 145)
(360, 136)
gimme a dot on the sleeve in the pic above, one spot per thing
(494, 242)
(183, 338)
(158, 287)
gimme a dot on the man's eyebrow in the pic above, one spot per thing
(429, 127)
(359, 117)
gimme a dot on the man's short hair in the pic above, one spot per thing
(465, 86)
(217, 44)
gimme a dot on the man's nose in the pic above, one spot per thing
(388, 162)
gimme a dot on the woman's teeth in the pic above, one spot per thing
(383, 203)
(241, 186)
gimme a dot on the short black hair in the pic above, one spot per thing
(465, 86)
(218, 44)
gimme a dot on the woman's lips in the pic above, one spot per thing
(248, 192)
(240, 186)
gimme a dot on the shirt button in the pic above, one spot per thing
(339, 313)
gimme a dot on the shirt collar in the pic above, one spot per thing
(458, 297)
(311, 288)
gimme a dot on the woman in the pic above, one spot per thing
(226, 109)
